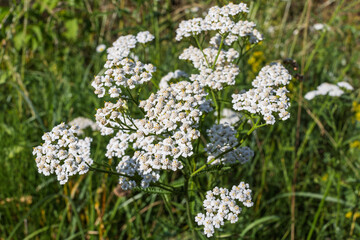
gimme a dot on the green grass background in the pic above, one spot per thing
(48, 60)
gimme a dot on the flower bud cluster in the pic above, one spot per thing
(221, 204)
(223, 138)
(63, 153)
(224, 71)
(163, 136)
(267, 96)
(164, 82)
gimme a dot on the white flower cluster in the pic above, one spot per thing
(329, 89)
(164, 82)
(63, 153)
(223, 74)
(221, 20)
(122, 71)
(241, 29)
(267, 96)
(163, 136)
(144, 37)
(221, 204)
(83, 123)
(188, 28)
(217, 19)
(122, 46)
(223, 138)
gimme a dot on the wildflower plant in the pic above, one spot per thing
(166, 132)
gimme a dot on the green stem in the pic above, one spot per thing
(218, 53)
(216, 104)
(320, 207)
(162, 186)
(136, 102)
(188, 210)
(201, 49)
(109, 172)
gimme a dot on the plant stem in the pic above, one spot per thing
(201, 49)
(136, 102)
(320, 207)
(188, 210)
(218, 53)
(109, 172)
(216, 105)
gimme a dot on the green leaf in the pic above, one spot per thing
(3, 76)
(72, 28)
(258, 222)
(37, 31)
(215, 168)
(314, 196)
(19, 40)
(152, 190)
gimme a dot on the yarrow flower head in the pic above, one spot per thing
(222, 21)
(268, 95)
(329, 89)
(221, 204)
(63, 153)
(122, 71)
(144, 37)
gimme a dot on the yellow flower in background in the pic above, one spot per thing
(256, 60)
(350, 215)
(355, 144)
(325, 177)
(356, 109)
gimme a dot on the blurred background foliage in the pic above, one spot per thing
(305, 174)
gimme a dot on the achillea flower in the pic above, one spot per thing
(268, 95)
(329, 89)
(221, 204)
(63, 153)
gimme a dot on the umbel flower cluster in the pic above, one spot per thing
(183, 124)
(63, 153)
(268, 95)
(221, 204)
(163, 136)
